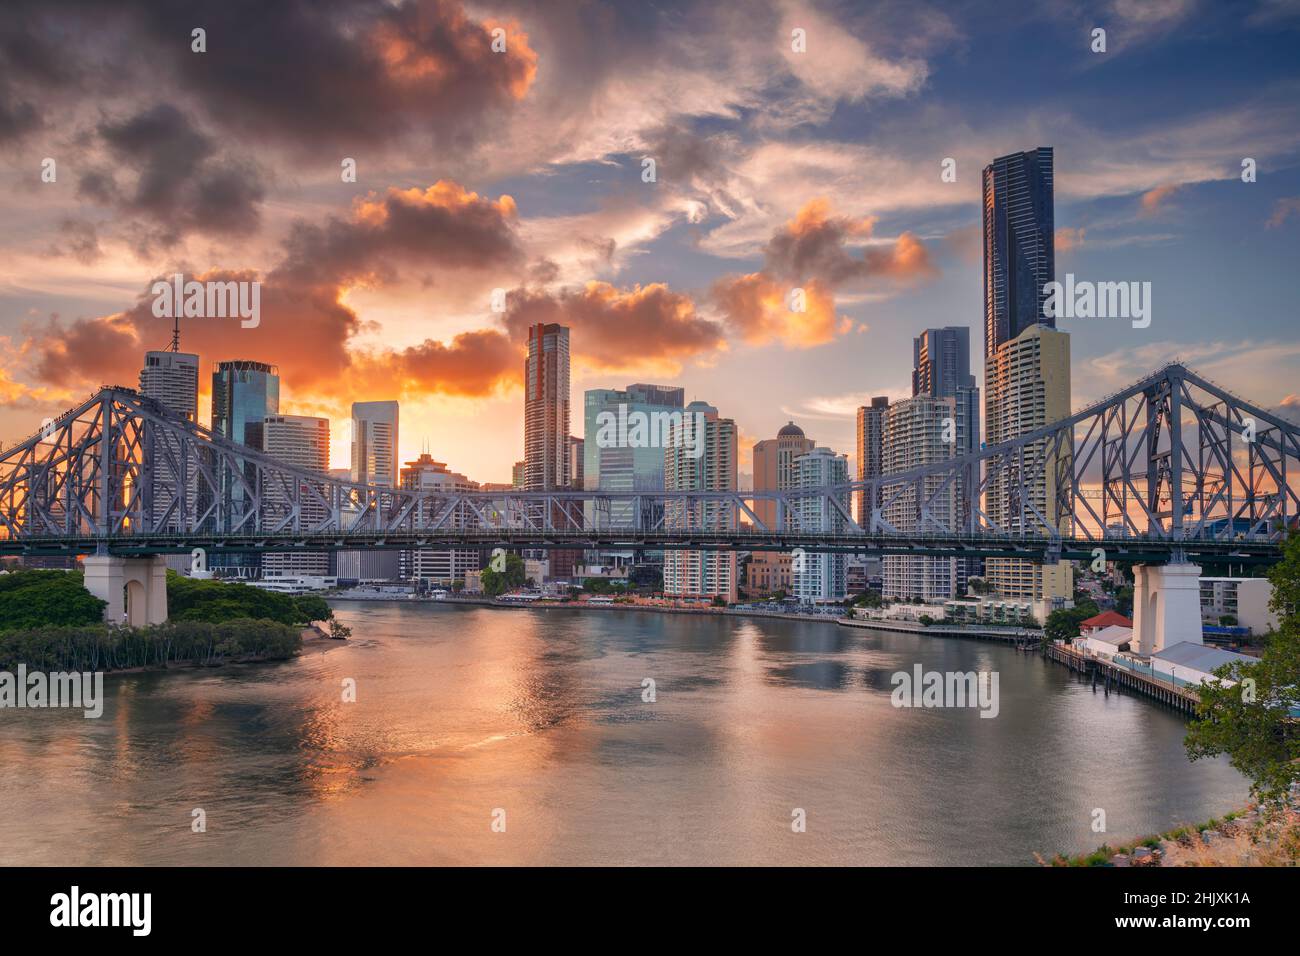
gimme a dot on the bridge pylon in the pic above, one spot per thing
(1166, 606)
(135, 588)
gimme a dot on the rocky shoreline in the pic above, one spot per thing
(1252, 836)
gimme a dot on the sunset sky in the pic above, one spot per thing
(480, 170)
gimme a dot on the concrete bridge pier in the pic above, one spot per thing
(135, 588)
(1166, 606)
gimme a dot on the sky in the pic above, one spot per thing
(505, 146)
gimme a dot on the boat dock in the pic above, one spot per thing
(1108, 675)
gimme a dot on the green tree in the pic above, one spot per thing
(190, 599)
(1063, 624)
(33, 597)
(496, 583)
(312, 607)
(1252, 722)
(1124, 600)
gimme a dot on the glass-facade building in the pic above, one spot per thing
(244, 393)
(621, 465)
(1019, 244)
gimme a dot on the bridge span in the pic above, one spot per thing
(1170, 469)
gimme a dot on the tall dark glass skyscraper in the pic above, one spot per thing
(1019, 249)
(244, 393)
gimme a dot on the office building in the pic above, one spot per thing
(302, 441)
(244, 393)
(172, 379)
(774, 470)
(374, 463)
(374, 443)
(443, 566)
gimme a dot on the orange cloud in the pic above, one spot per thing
(809, 257)
(1154, 198)
(1068, 239)
(645, 327)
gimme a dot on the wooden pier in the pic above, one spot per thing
(1108, 675)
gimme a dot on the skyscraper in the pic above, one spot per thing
(546, 409)
(1027, 386)
(819, 577)
(1026, 360)
(870, 434)
(704, 462)
(621, 465)
(374, 443)
(244, 393)
(1019, 244)
(775, 470)
(304, 442)
(941, 369)
(546, 429)
(374, 462)
(172, 379)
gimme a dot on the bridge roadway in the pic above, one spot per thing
(1040, 549)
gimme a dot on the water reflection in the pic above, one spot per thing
(460, 711)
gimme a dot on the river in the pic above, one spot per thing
(535, 720)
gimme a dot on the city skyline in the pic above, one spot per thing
(773, 170)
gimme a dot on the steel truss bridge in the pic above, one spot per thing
(1172, 467)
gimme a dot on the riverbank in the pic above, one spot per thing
(589, 606)
(1245, 837)
(1017, 636)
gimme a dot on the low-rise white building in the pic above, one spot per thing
(1189, 663)
(1106, 642)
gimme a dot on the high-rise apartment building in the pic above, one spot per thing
(546, 431)
(941, 368)
(302, 441)
(1026, 360)
(774, 470)
(1019, 244)
(870, 435)
(546, 409)
(917, 434)
(817, 577)
(443, 566)
(1027, 386)
(703, 461)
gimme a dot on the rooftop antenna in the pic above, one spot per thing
(176, 333)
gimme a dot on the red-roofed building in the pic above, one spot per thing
(1104, 619)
